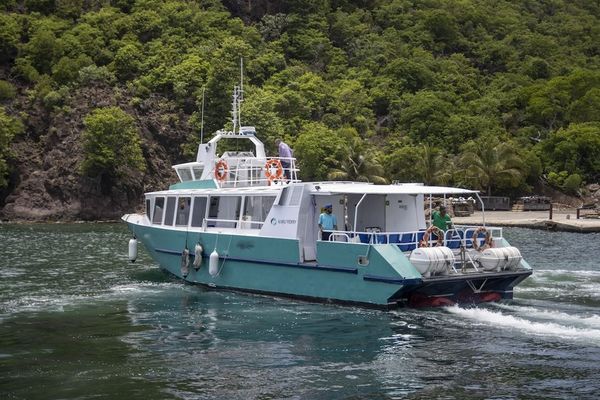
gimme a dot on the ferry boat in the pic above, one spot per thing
(239, 220)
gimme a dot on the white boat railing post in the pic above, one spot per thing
(430, 210)
(356, 210)
(482, 208)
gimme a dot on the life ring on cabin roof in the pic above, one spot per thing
(273, 170)
(487, 243)
(435, 230)
(221, 170)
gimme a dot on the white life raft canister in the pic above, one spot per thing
(500, 258)
(432, 260)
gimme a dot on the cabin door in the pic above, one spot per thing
(308, 230)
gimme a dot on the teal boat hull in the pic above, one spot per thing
(351, 273)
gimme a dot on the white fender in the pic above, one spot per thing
(132, 250)
(213, 263)
(198, 256)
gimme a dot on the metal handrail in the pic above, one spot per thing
(255, 169)
(384, 237)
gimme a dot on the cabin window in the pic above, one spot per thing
(256, 209)
(197, 172)
(224, 211)
(290, 196)
(183, 211)
(285, 194)
(159, 206)
(199, 211)
(296, 196)
(170, 211)
(148, 210)
(185, 174)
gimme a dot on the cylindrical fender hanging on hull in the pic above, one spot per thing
(132, 249)
(198, 256)
(213, 263)
(185, 262)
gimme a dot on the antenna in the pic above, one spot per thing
(238, 97)
(202, 118)
(241, 91)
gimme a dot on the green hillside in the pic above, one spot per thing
(491, 94)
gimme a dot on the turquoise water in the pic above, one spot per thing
(77, 321)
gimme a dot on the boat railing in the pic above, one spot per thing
(252, 171)
(459, 236)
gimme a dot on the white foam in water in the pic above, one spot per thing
(579, 273)
(592, 321)
(503, 321)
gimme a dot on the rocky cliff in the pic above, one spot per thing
(46, 182)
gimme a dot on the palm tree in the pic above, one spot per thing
(355, 166)
(432, 166)
(486, 164)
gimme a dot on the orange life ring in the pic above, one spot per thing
(221, 170)
(487, 243)
(437, 231)
(273, 170)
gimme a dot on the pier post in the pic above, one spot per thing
(578, 209)
(550, 217)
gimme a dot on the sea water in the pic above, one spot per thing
(77, 321)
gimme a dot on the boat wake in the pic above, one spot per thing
(590, 321)
(557, 326)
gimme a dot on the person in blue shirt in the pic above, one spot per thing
(327, 222)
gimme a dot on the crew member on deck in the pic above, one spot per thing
(285, 157)
(327, 222)
(441, 219)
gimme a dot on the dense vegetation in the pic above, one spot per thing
(489, 93)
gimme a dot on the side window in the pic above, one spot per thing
(283, 197)
(197, 172)
(170, 211)
(256, 209)
(148, 211)
(224, 211)
(183, 211)
(199, 211)
(296, 196)
(185, 174)
(159, 206)
(213, 210)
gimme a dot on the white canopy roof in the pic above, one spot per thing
(362, 188)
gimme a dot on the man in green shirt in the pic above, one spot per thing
(441, 219)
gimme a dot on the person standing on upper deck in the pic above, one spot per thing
(285, 157)
(441, 219)
(327, 222)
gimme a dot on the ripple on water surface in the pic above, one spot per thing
(78, 321)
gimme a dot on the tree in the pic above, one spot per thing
(575, 150)
(10, 32)
(317, 149)
(400, 164)
(111, 145)
(489, 163)
(424, 116)
(358, 165)
(9, 128)
(431, 166)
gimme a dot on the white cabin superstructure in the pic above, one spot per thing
(236, 168)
